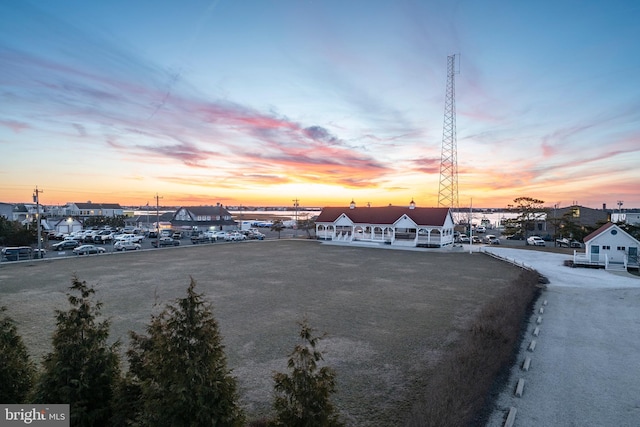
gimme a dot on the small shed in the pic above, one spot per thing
(609, 246)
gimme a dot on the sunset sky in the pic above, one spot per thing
(259, 102)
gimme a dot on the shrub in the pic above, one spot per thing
(303, 397)
(16, 369)
(178, 372)
(82, 369)
(462, 382)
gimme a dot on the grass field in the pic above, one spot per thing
(390, 315)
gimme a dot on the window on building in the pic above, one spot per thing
(621, 248)
(606, 247)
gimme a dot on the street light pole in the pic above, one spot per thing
(36, 196)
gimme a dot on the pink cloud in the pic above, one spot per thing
(15, 125)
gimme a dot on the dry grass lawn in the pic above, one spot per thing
(389, 315)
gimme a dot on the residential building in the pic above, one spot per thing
(609, 246)
(574, 221)
(202, 218)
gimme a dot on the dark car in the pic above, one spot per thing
(64, 245)
(88, 250)
(165, 241)
(17, 253)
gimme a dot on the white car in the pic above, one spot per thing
(535, 241)
(126, 245)
(490, 239)
(135, 238)
(220, 235)
(235, 236)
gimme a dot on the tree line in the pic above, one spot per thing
(177, 370)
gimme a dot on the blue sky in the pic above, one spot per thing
(261, 102)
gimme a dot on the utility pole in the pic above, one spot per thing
(36, 198)
(157, 220)
(295, 224)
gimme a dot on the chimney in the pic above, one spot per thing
(604, 206)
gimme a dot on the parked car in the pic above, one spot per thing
(165, 241)
(255, 235)
(64, 245)
(535, 241)
(126, 245)
(88, 249)
(475, 239)
(481, 229)
(515, 236)
(203, 238)
(463, 238)
(235, 236)
(490, 239)
(135, 238)
(566, 243)
(39, 253)
(17, 253)
(220, 235)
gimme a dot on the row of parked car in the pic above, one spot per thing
(488, 239)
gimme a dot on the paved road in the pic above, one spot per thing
(585, 368)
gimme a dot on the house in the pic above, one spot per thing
(6, 210)
(392, 225)
(66, 225)
(609, 246)
(574, 221)
(87, 210)
(202, 218)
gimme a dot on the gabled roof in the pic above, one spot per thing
(385, 215)
(217, 210)
(604, 228)
(98, 205)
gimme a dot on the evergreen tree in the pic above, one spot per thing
(180, 369)
(16, 369)
(82, 369)
(302, 398)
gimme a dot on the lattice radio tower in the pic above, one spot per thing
(448, 189)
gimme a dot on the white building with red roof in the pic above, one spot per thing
(391, 225)
(609, 246)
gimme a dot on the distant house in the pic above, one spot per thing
(629, 217)
(202, 218)
(609, 246)
(87, 210)
(392, 225)
(66, 225)
(6, 210)
(583, 218)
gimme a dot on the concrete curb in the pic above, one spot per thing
(511, 418)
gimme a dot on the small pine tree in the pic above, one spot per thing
(302, 399)
(82, 369)
(180, 369)
(17, 371)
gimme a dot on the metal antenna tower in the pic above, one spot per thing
(448, 190)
